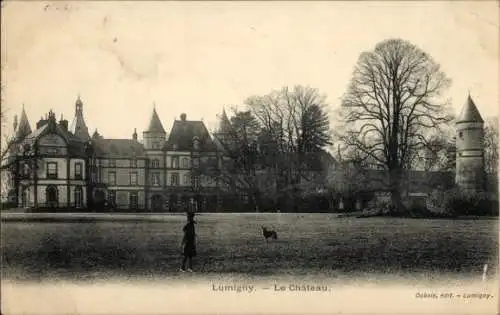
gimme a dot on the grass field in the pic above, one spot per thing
(232, 244)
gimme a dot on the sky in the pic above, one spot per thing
(124, 58)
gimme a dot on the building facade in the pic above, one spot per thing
(60, 166)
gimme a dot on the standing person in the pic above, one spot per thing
(188, 243)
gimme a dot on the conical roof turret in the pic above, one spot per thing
(155, 125)
(23, 126)
(470, 113)
(225, 125)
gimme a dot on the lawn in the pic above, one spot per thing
(319, 244)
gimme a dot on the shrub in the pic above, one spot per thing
(380, 205)
(456, 202)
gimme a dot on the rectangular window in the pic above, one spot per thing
(112, 197)
(175, 162)
(112, 163)
(155, 177)
(78, 170)
(187, 179)
(196, 182)
(185, 163)
(133, 200)
(155, 163)
(112, 178)
(133, 163)
(133, 178)
(52, 151)
(52, 170)
(26, 170)
(174, 179)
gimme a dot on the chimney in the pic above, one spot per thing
(15, 122)
(134, 135)
(64, 124)
(183, 117)
(52, 120)
(42, 122)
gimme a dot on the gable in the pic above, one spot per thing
(53, 140)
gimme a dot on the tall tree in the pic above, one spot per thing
(237, 141)
(296, 124)
(491, 146)
(392, 105)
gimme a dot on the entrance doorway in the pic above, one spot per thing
(51, 196)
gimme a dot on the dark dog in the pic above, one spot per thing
(269, 233)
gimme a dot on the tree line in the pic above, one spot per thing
(394, 117)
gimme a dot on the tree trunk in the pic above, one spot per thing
(395, 189)
(256, 200)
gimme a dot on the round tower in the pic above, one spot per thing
(470, 148)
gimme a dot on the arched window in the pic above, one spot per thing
(196, 143)
(78, 197)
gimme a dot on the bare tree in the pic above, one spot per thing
(439, 153)
(296, 125)
(392, 105)
(491, 146)
(239, 165)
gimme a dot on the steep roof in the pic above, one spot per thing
(224, 124)
(469, 112)
(118, 148)
(183, 133)
(78, 126)
(76, 145)
(155, 125)
(23, 128)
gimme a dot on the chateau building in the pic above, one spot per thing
(58, 166)
(61, 167)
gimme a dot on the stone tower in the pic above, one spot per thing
(154, 137)
(470, 175)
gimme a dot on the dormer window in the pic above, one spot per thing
(196, 143)
(78, 170)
